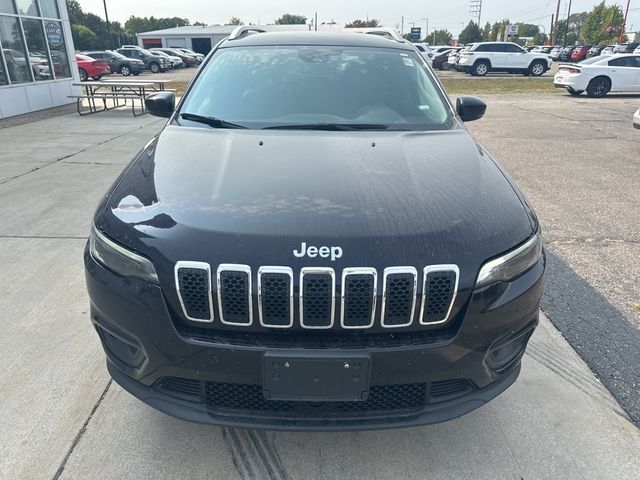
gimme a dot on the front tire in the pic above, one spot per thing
(599, 87)
(83, 75)
(154, 67)
(125, 71)
(480, 69)
(537, 68)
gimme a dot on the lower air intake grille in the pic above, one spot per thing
(194, 290)
(449, 388)
(249, 397)
(180, 386)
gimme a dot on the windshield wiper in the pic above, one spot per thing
(329, 126)
(211, 121)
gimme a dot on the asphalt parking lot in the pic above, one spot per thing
(577, 160)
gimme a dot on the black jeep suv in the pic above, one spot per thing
(314, 241)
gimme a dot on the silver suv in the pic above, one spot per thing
(482, 58)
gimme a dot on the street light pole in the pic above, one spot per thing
(106, 16)
(624, 22)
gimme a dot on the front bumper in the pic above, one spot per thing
(144, 348)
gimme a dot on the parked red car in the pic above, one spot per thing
(580, 53)
(90, 67)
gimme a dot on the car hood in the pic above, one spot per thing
(394, 198)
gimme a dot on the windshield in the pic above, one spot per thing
(117, 55)
(280, 86)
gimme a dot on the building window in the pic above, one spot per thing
(38, 57)
(58, 49)
(6, 6)
(28, 7)
(44, 56)
(49, 9)
(15, 53)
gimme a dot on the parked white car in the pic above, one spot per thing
(485, 57)
(425, 50)
(636, 119)
(600, 75)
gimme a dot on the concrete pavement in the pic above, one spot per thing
(61, 417)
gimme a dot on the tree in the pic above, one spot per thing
(84, 38)
(602, 24)
(486, 33)
(440, 37)
(363, 24)
(290, 19)
(569, 33)
(471, 33)
(234, 21)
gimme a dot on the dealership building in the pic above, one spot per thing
(203, 39)
(37, 60)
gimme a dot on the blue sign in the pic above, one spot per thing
(54, 33)
(416, 33)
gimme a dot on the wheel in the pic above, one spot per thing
(537, 68)
(574, 93)
(599, 87)
(97, 77)
(480, 69)
(154, 67)
(125, 70)
(83, 75)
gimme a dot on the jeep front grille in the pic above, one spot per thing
(314, 303)
(194, 290)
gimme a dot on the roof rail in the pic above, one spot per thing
(244, 30)
(387, 32)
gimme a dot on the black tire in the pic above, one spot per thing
(135, 74)
(537, 68)
(83, 75)
(480, 69)
(599, 87)
(154, 67)
(574, 93)
(125, 70)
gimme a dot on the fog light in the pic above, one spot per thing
(504, 355)
(125, 352)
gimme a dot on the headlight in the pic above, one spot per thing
(512, 264)
(120, 260)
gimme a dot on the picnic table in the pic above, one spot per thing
(119, 92)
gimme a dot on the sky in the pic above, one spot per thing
(451, 14)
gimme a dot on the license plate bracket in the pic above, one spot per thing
(315, 378)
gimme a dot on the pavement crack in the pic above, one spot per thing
(592, 241)
(81, 432)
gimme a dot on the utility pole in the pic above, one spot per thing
(551, 32)
(566, 30)
(475, 9)
(402, 26)
(315, 23)
(624, 22)
(554, 36)
(106, 16)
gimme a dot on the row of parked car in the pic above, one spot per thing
(577, 53)
(133, 60)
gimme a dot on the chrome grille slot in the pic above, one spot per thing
(358, 297)
(275, 297)
(440, 287)
(234, 294)
(193, 284)
(317, 297)
(398, 296)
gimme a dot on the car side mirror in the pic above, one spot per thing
(161, 104)
(470, 108)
